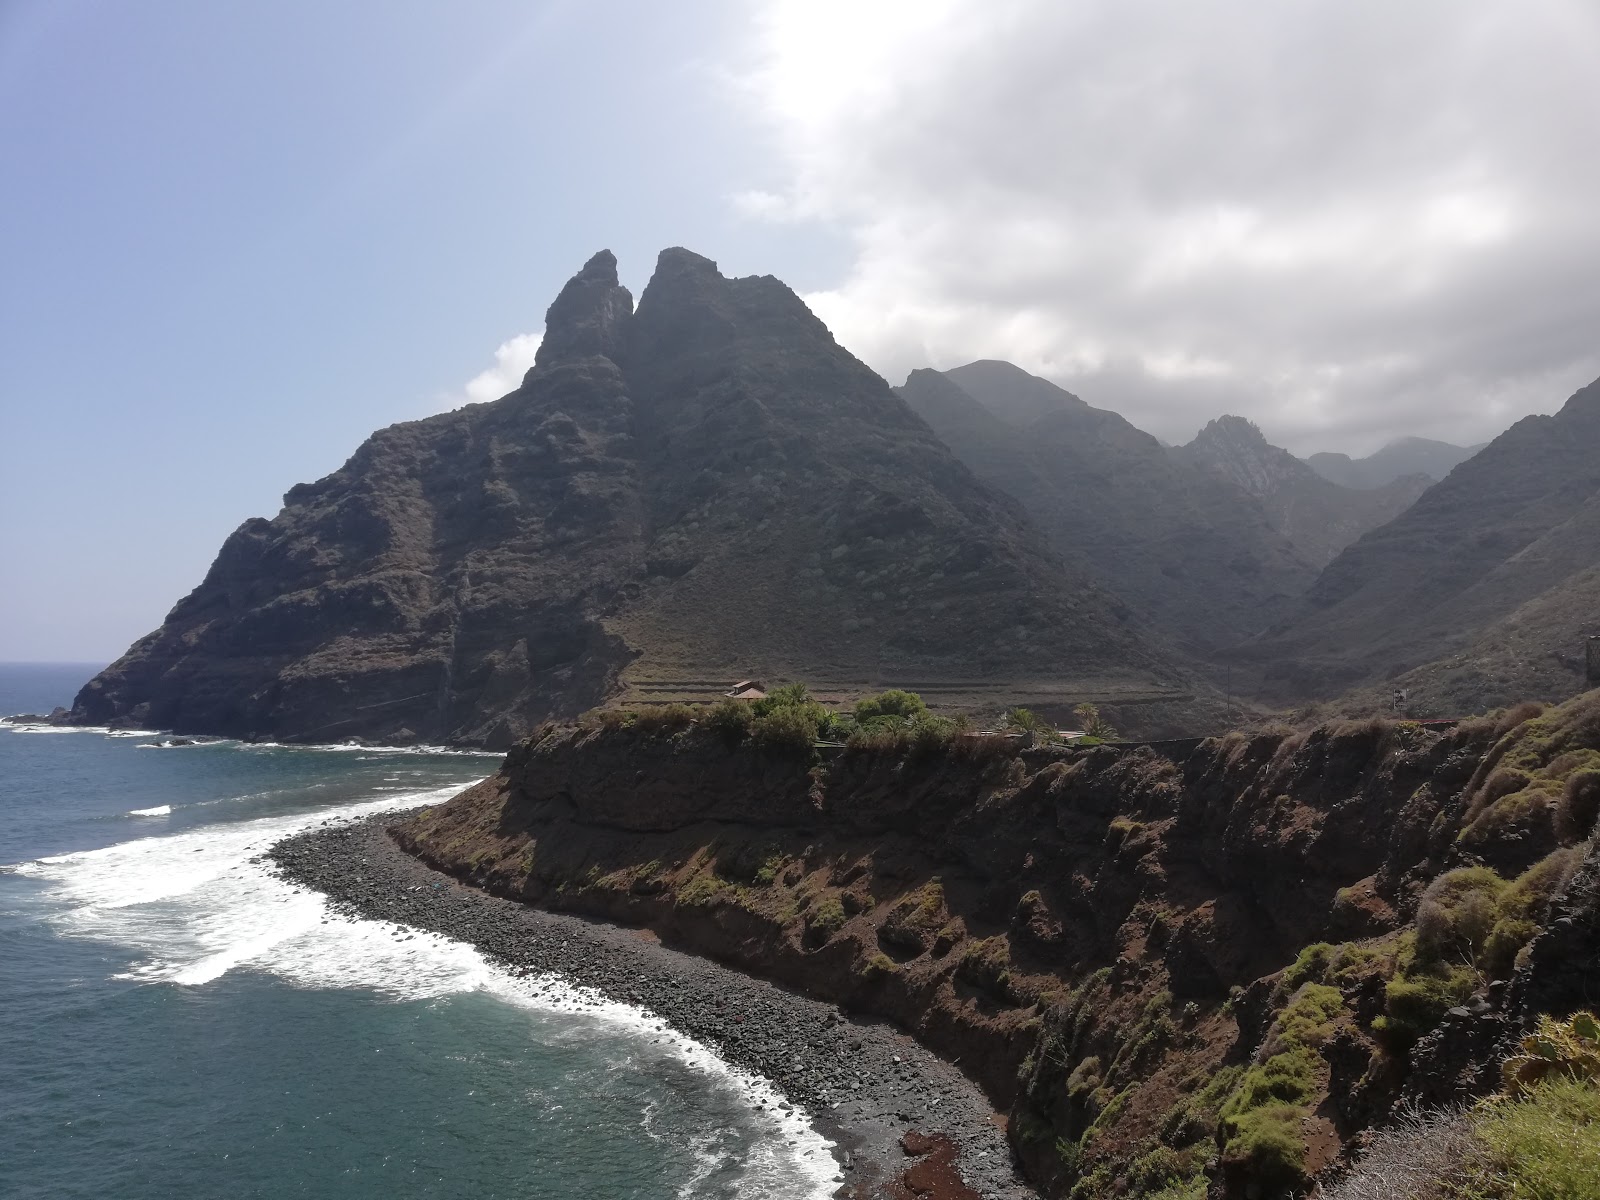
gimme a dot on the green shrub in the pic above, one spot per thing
(931, 734)
(1309, 1018)
(1289, 1077)
(1579, 806)
(1189, 1189)
(605, 718)
(879, 965)
(826, 919)
(730, 718)
(663, 717)
(1545, 1145)
(768, 871)
(786, 730)
(1416, 1000)
(892, 703)
(790, 695)
(1456, 915)
(986, 963)
(1265, 1145)
(1160, 1169)
(1310, 966)
(703, 889)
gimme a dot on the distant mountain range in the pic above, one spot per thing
(1400, 458)
(1207, 543)
(1481, 593)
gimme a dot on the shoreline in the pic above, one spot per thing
(891, 1107)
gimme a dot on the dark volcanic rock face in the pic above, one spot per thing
(708, 487)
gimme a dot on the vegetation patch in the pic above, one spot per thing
(1471, 925)
(704, 889)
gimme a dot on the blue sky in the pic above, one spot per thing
(238, 237)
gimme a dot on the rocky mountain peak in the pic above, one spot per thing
(705, 487)
(587, 316)
(1012, 394)
(1236, 447)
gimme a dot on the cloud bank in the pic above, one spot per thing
(512, 360)
(1349, 221)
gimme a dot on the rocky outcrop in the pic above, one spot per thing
(1214, 960)
(1319, 518)
(709, 488)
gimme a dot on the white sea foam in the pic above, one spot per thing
(196, 905)
(100, 729)
(160, 810)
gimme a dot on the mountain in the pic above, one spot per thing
(1481, 593)
(1318, 517)
(1401, 457)
(1185, 549)
(705, 489)
(1012, 394)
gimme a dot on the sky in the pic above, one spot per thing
(235, 239)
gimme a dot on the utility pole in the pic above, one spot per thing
(1591, 662)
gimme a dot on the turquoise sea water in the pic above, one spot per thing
(177, 1022)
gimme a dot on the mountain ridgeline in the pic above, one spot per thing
(1401, 457)
(1208, 543)
(704, 489)
(1482, 593)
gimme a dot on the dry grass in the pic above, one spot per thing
(1420, 1156)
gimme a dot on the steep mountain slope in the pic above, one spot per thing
(707, 488)
(1186, 549)
(1320, 518)
(1495, 560)
(1401, 457)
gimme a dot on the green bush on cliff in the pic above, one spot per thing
(892, 703)
(1471, 925)
(703, 889)
(1545, 1146)
(785, 730)
(1261, 1119)
(1265, 1146)
(667, 718)
(826, 919)
(1580, 806)
(729, 718)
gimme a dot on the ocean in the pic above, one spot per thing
(179, 1022)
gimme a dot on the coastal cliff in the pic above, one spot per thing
(1204, 965)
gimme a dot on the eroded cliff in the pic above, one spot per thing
(1204, 964)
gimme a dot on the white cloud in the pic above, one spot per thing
(512, 361)
(1348, 220)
